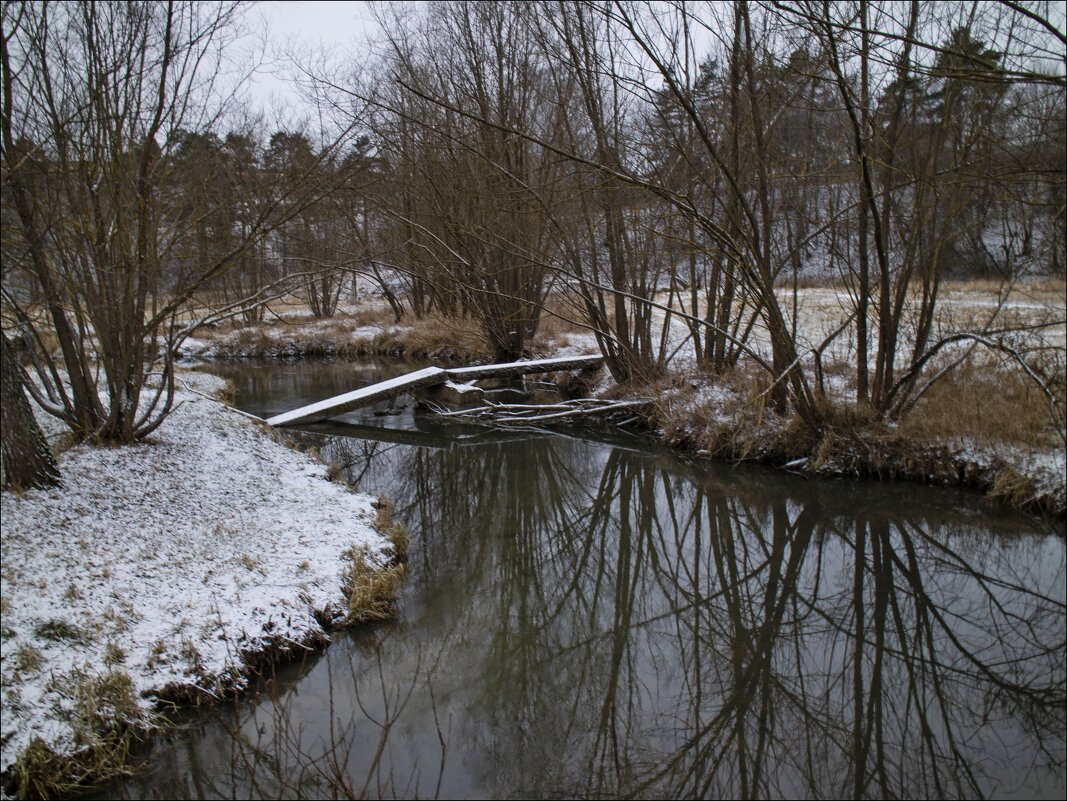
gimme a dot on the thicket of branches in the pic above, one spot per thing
(644, 163)
(691, 160)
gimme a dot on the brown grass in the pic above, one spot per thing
(735, 424)
(1012, 487)
(433, 337)
(1050, 288)
(370, 591)
(986, 403)
(785, 281)
(393, 530)
(559, 321)
(372, 315)
(980, 404)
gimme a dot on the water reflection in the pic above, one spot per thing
(586, 619)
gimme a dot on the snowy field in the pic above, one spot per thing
(1039, 313)
(164, 566)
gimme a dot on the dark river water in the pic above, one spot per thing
(596, 617)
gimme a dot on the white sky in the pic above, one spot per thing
(323, 29)
(315, 21)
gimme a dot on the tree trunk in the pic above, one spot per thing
(27, 459)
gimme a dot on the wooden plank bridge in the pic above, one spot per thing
(428, 377)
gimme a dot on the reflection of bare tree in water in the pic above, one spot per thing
(524, 495)
(262, 747)
(854, 656)
(354, 457)
(713, 640)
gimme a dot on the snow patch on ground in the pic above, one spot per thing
(576, 344)
(1047, 468)
(700, 400)
(170, 561)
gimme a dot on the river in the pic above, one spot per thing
(593, 616)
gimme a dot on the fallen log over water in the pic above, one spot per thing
(429, 377)
(524, 414)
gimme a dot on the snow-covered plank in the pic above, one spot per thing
(428, 377)
(464, 374)
(364, 396)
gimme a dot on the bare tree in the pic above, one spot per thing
(692, 160)
(470, 206)
(97, 99)
(930, 106)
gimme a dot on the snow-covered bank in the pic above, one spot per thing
(719, 421)
(336, 338)
(164, 567)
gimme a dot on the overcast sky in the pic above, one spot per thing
(327, 28)
(332, 23)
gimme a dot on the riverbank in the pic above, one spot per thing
(515, 616)
(1021, 470)
(164, 572)
(350, 335)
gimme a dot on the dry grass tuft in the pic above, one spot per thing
(433, 337)
(106, 719)
(734, 421)
(253, 339)
(370, 591)
(803, 281)
(369, 315)
(105, 704)
(385, 513)
(1049, 287)
(393, 530)
(559, 321)
(57, 629)
(41, 773)
(28, 659)
(1011, 486)
(400, 539)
